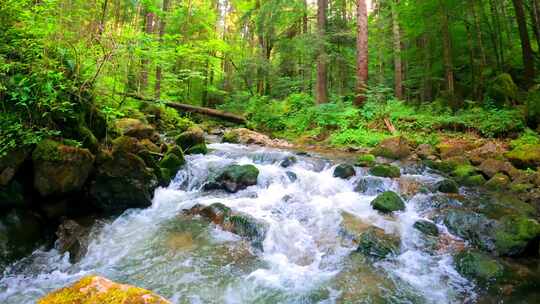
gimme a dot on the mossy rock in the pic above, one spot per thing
(471, 226)
(498, 182)
(10, 163)
(525, 156)
(366, 160)
(478, 266)
(11, 196)
(385, 171)
(88, 139)
(216, 213)
(491, 167)
(476, 180)
(60, 169)
(503, 89)
(514, 235)
(20, 233)
(94, 289)
(393, 148)
(426, 227)
(375, 244)
(521, 187)
(344, 171)
(136, 128)
(230, 137)
(463, 171)
(197, 149)
(193, 137)
(247, 227)
(447, 186)
(388, 202)
(234, 178)
(441, 166)
(121, 182)
(170, 165)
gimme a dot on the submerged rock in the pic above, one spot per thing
(426, 227)
(478, 266)
(344, 171)
(235, 178)
(374, 243)
(393, 148)
(217, 213)
(292, 176)
(385, 171)
(471, 226)
(95, 289)
(388, 202)
(72, 238)
(288, 161)
(247, 227)
(60, 169)
(370, 185)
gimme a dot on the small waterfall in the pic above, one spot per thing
(305, 257)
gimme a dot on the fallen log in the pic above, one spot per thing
(194, 109)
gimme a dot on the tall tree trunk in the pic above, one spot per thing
(535, 16)
(149, 29)
(162, 25)
(528, 60)
(427, 87)
(322, 81)
(398, 70)
(481, 49)
(447, 51)
(361, 52)
(305, 65)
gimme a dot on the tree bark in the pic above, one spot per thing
(535, 16)
(322, 77)
(398, 70)
(162, 25)
(149, 29)
(361, 52)
(528, 59)
(447, 52)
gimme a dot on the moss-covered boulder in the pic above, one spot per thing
(216, 213)
(476, 180)
(425, 151)
(471, 226)
(375, 244)
(95, 289)
(72, 238)
(426, 227)
(60, 169)
(388, 202)
(478, 266)
(231, 137)
(247, 227)
(393, 148)
(20, 233)
(515, 234)
(525, 156)
(170, 164)
(490, 167)
(122, 181)
(383, 170)
(441, 166)
(489, 150)
(234, 178)
(447, 186)
(344, 171)
(498, 182)
(366, 160)
(192, 141)
(449, 149)
(370, 185)
(136, 128)
(10, 163)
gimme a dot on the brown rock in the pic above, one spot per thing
(491, 166)
(72, 238)
(393, 148)
(489, 150)
(451, 148)
(10, 163)
(425, 151)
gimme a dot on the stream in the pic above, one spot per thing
(306, 255)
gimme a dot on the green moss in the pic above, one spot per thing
(230, 137)
(385, 171)
(463, 171)
(375, 244)
(47, 150)
(366, 160)
(442, 166)
(525, 156)
(473, 181)
(198, 149)
(478, 266)
(447, 186)
(521, 187)
(426, 227)
(388, 202)
(498, 182)
(515, 234)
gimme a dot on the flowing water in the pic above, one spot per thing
(306, 256)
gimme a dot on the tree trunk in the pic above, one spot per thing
(481, 49)
(149, 29)
(528, 60)
(535, 16)
(322, 81)
(398, 70)
(162, 25)
(361, 52)
(447, 52)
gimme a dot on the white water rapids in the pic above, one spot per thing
(305, 257)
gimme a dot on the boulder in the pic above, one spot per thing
(425, 151)
(216, 213)
(370, 185)
(477, 266)
(503, 90)
(410, 186)
(490, 150)
(443, 166)
(451, 148)
(490, 167)
(388, 202)
(344, 171)
(60, 169)
(426, 227)
(250, 137)
(95, 289)
(192, 141)
(72, 238)
(170, 164)
(393, 148)
(20, 233)
(366, 160)
(234, 178)
(476, 180)
(230, 137)
(498, 182)
(471, 226)
(514, 235)
(447, 186)
(383, 170)
(525, 156)
(375, 244)
(122, 181)
(247, 227)
(288, 161)
(10, 163)
(136, 128)
(292, 176)
(11, 195)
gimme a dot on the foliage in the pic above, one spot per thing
(529, 137)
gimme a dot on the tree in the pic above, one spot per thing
(322, 81)
(528, 59)
(159, 69)
(361, 52)
(398, 70)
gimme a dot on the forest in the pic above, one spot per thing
(113, 112)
